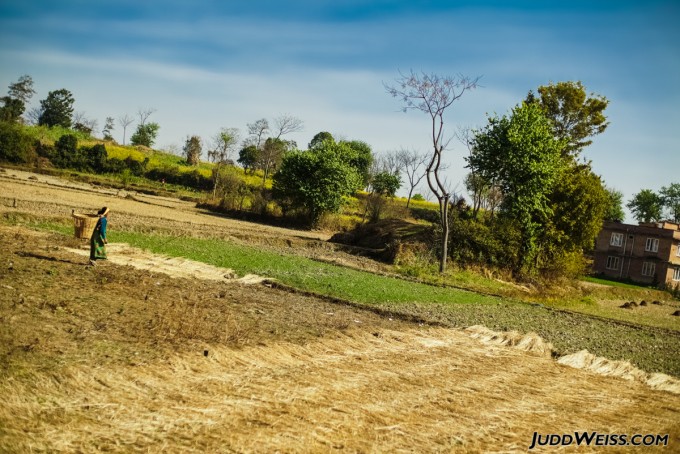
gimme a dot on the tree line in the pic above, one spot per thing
(535, 204)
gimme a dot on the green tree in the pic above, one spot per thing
(108, 127)
(579, 202)
(670, 197)
(646, 206)
(248, 157)
(22, 89)
(575, 115)
(362, 160)
(57, 109)
(12, 109)
(386, 184)
(614, 209)
(145, 134)
(316, 181)
(192, 150)
(18, 95)
(270, 156)
(432, 95)
(520, 154)
(319, 139)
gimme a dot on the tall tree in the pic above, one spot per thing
(270, 156)
(412, 164)
(575, 115)
(22, 89)
(18, 95)
(57, 109)
(646, 206)
(108, 127)
(257, 132)
(124, 121)
(432, 95)
(670, 197)
(520, 154)
(224, 144)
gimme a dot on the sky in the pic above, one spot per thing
(203, 65)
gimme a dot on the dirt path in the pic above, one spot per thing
(133, 357)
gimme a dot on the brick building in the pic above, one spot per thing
(647, 253)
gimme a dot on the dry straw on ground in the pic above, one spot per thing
(389, 391)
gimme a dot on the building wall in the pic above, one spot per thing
(632, 253)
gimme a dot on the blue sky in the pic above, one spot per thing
(207, 64)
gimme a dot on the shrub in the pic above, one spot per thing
(15, 146)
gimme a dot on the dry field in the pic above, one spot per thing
(146, 354)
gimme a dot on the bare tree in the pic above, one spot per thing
(125, 121)
(433, 94)
(257, 131)
(285, 124)
(387, 162)
(144, 114)
(33, 115)
(413, 165)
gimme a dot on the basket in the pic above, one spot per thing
(84, 224)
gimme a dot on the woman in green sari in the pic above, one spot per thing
(98, 239)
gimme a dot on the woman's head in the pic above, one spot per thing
(103, 212)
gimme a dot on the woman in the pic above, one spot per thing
(98, 240)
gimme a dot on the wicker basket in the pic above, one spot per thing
(84, 224)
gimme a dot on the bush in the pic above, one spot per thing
(15, 146)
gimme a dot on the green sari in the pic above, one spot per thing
(98, 241)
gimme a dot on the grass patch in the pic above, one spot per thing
(597, 280)
(303, 273)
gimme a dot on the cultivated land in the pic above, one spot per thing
(157, 354)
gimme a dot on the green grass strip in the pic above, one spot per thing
(303, 273)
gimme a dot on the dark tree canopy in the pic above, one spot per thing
(319, 139)
(248, 157)
(57, 109)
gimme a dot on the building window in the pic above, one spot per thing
(648, 268)
(612, 263)
(676, 274)
(677, 250)
(616, 239)
(652, 245)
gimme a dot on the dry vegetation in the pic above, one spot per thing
(124, 357)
